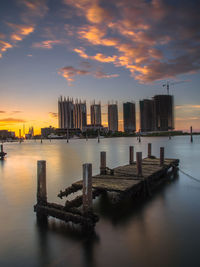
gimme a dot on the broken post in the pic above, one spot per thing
(162, 151)
(131, 155)
(139, 163)
(191, 136)
(149, 150)
(87, 187)
(103, 162)
(41, 183)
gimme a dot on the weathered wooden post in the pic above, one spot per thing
(98, 137)
(162, 152)
(149, 150)
(103, 162)
(41, 183)
(87, 187)
(139, 163)
(131, 155)
(191, 136)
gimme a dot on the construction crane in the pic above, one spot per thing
(167, 84)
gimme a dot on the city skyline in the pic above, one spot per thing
(93, 49)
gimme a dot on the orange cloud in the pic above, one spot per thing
(8, 121)
(48, 44)
(99, 57)
(141, 32)
(20, 31)
(70, 72)
(4, 46)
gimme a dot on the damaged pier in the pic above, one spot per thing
(136, 179)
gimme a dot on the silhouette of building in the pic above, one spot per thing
(95, 112)
(80, 115)
(113, 117)
(65, 113)
(147, 117)
(164, 112)
(129, 117)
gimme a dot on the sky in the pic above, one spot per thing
(116, 50)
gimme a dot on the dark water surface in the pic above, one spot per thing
(162, 231)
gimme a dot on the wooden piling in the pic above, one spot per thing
(139, 163)
(1, 148)
(41, 183)
(149, 150)
(102, 162)
(131, 155)
(191, 136)
(162, 152)
(87, 187)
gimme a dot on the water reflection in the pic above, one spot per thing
(159, 231)
(72, 233)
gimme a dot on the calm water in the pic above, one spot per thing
(163, 231)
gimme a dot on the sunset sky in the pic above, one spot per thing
(116, 50)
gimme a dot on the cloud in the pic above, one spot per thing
(48, 44)
(70, 72)
(4, 46)
(152, 39)
(99, 56)
(187, 107)
(33, 9)
(100, 74)
(2, 111)
(53, 115)
(20, 31)
(7, 121)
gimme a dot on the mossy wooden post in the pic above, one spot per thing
(162, 153)
(149, 150)
(41, 183)
(87, 187)
(139, 163)
(191, 136)
(131, 155)
(103, 162)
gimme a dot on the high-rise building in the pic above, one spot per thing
(147, 118)
(95, 113)
(129, 117)
(65, 113)
(113, 117)
(164, 112)
(80, 115)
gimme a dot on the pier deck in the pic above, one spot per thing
(125, 177)
(135, 180)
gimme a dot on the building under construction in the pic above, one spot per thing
(129, 117)
(95, 112)
(164, 112)
(71, 115)
(112, 117)
(157, 114)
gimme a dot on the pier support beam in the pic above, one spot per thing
(191, 136)
(162, 153)
(149, 150)
(103, 162)
(87, 187)
(139, 163)
(41, 183)
(131, 155)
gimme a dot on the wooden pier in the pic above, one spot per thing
(135, 180)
